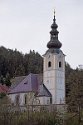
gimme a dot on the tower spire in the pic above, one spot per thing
(54, 16)
(54, 42)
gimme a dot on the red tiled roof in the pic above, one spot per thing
(3, 88)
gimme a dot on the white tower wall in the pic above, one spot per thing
(54, 76)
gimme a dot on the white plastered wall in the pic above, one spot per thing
(54, 77)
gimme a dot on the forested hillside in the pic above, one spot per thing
(14, 63)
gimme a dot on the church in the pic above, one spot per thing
(50, 88)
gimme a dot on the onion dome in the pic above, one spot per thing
(54, 42)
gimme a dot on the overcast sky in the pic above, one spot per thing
(25, 25)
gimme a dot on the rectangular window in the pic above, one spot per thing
(49, 64)
(59, 64)
(51, 100)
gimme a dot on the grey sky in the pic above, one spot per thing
(25, 25)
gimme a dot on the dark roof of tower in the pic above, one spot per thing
(54, 42)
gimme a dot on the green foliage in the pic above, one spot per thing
(9, 116)
(75, 97)
(33, 62)
(2, 79)
(7, 80)
(4, 100)
(13, 63)
(2, 95)
(68, 71)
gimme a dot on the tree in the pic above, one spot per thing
(76, 87)
(20, 70)
(1, 80)
(15, 63)
(7, 80)
(2, 95)
(68, 71)
(75, 97)
(33, 62)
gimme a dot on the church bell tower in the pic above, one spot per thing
(54, 67)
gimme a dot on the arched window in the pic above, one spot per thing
(49, 64)
(60, 64)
